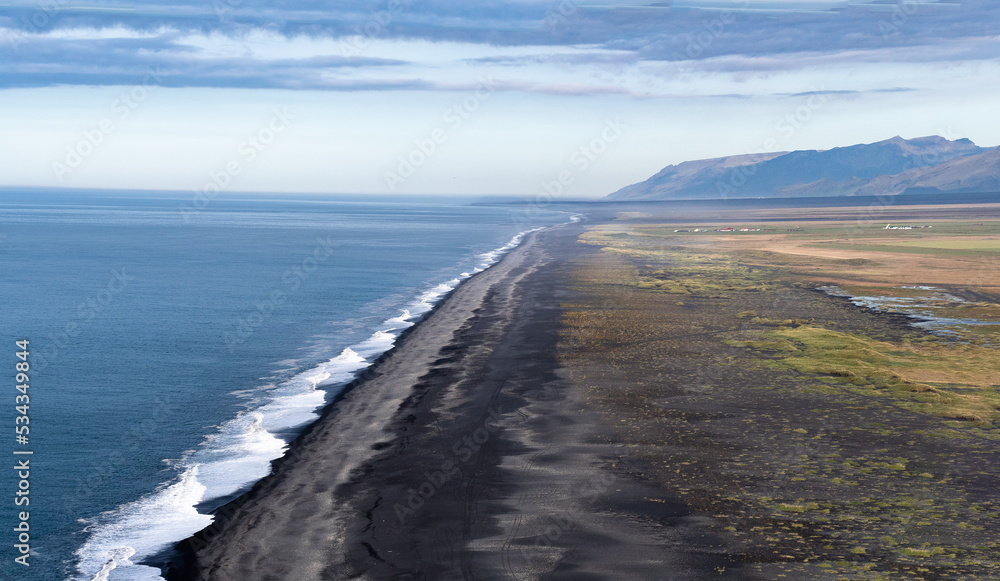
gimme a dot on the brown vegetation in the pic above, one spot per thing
(818, 439)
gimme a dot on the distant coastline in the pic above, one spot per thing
(930, 198)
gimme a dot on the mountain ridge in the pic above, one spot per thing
(930, 164)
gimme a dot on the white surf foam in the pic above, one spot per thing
(142, 528)
(377, 344)
(240, 451)
(402, 319)
(490, 258)
(295, 402)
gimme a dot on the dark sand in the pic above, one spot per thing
(465, 456)
(497, 442)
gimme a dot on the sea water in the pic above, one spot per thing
(175, 348)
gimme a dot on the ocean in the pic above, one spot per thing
(176, 347)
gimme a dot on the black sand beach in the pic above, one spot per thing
(464, 456)
(542, 425)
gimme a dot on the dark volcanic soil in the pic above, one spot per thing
(802, 476)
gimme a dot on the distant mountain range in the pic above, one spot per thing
(894, 166)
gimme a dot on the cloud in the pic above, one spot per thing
(102, 60)
(349, 44)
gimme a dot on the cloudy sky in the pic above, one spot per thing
(483, 97)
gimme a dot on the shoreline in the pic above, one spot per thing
(560, 418)
(182, 560)
(469, 455)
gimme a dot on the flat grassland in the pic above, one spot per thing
(820, 439)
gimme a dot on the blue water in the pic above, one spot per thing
(172, 357)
